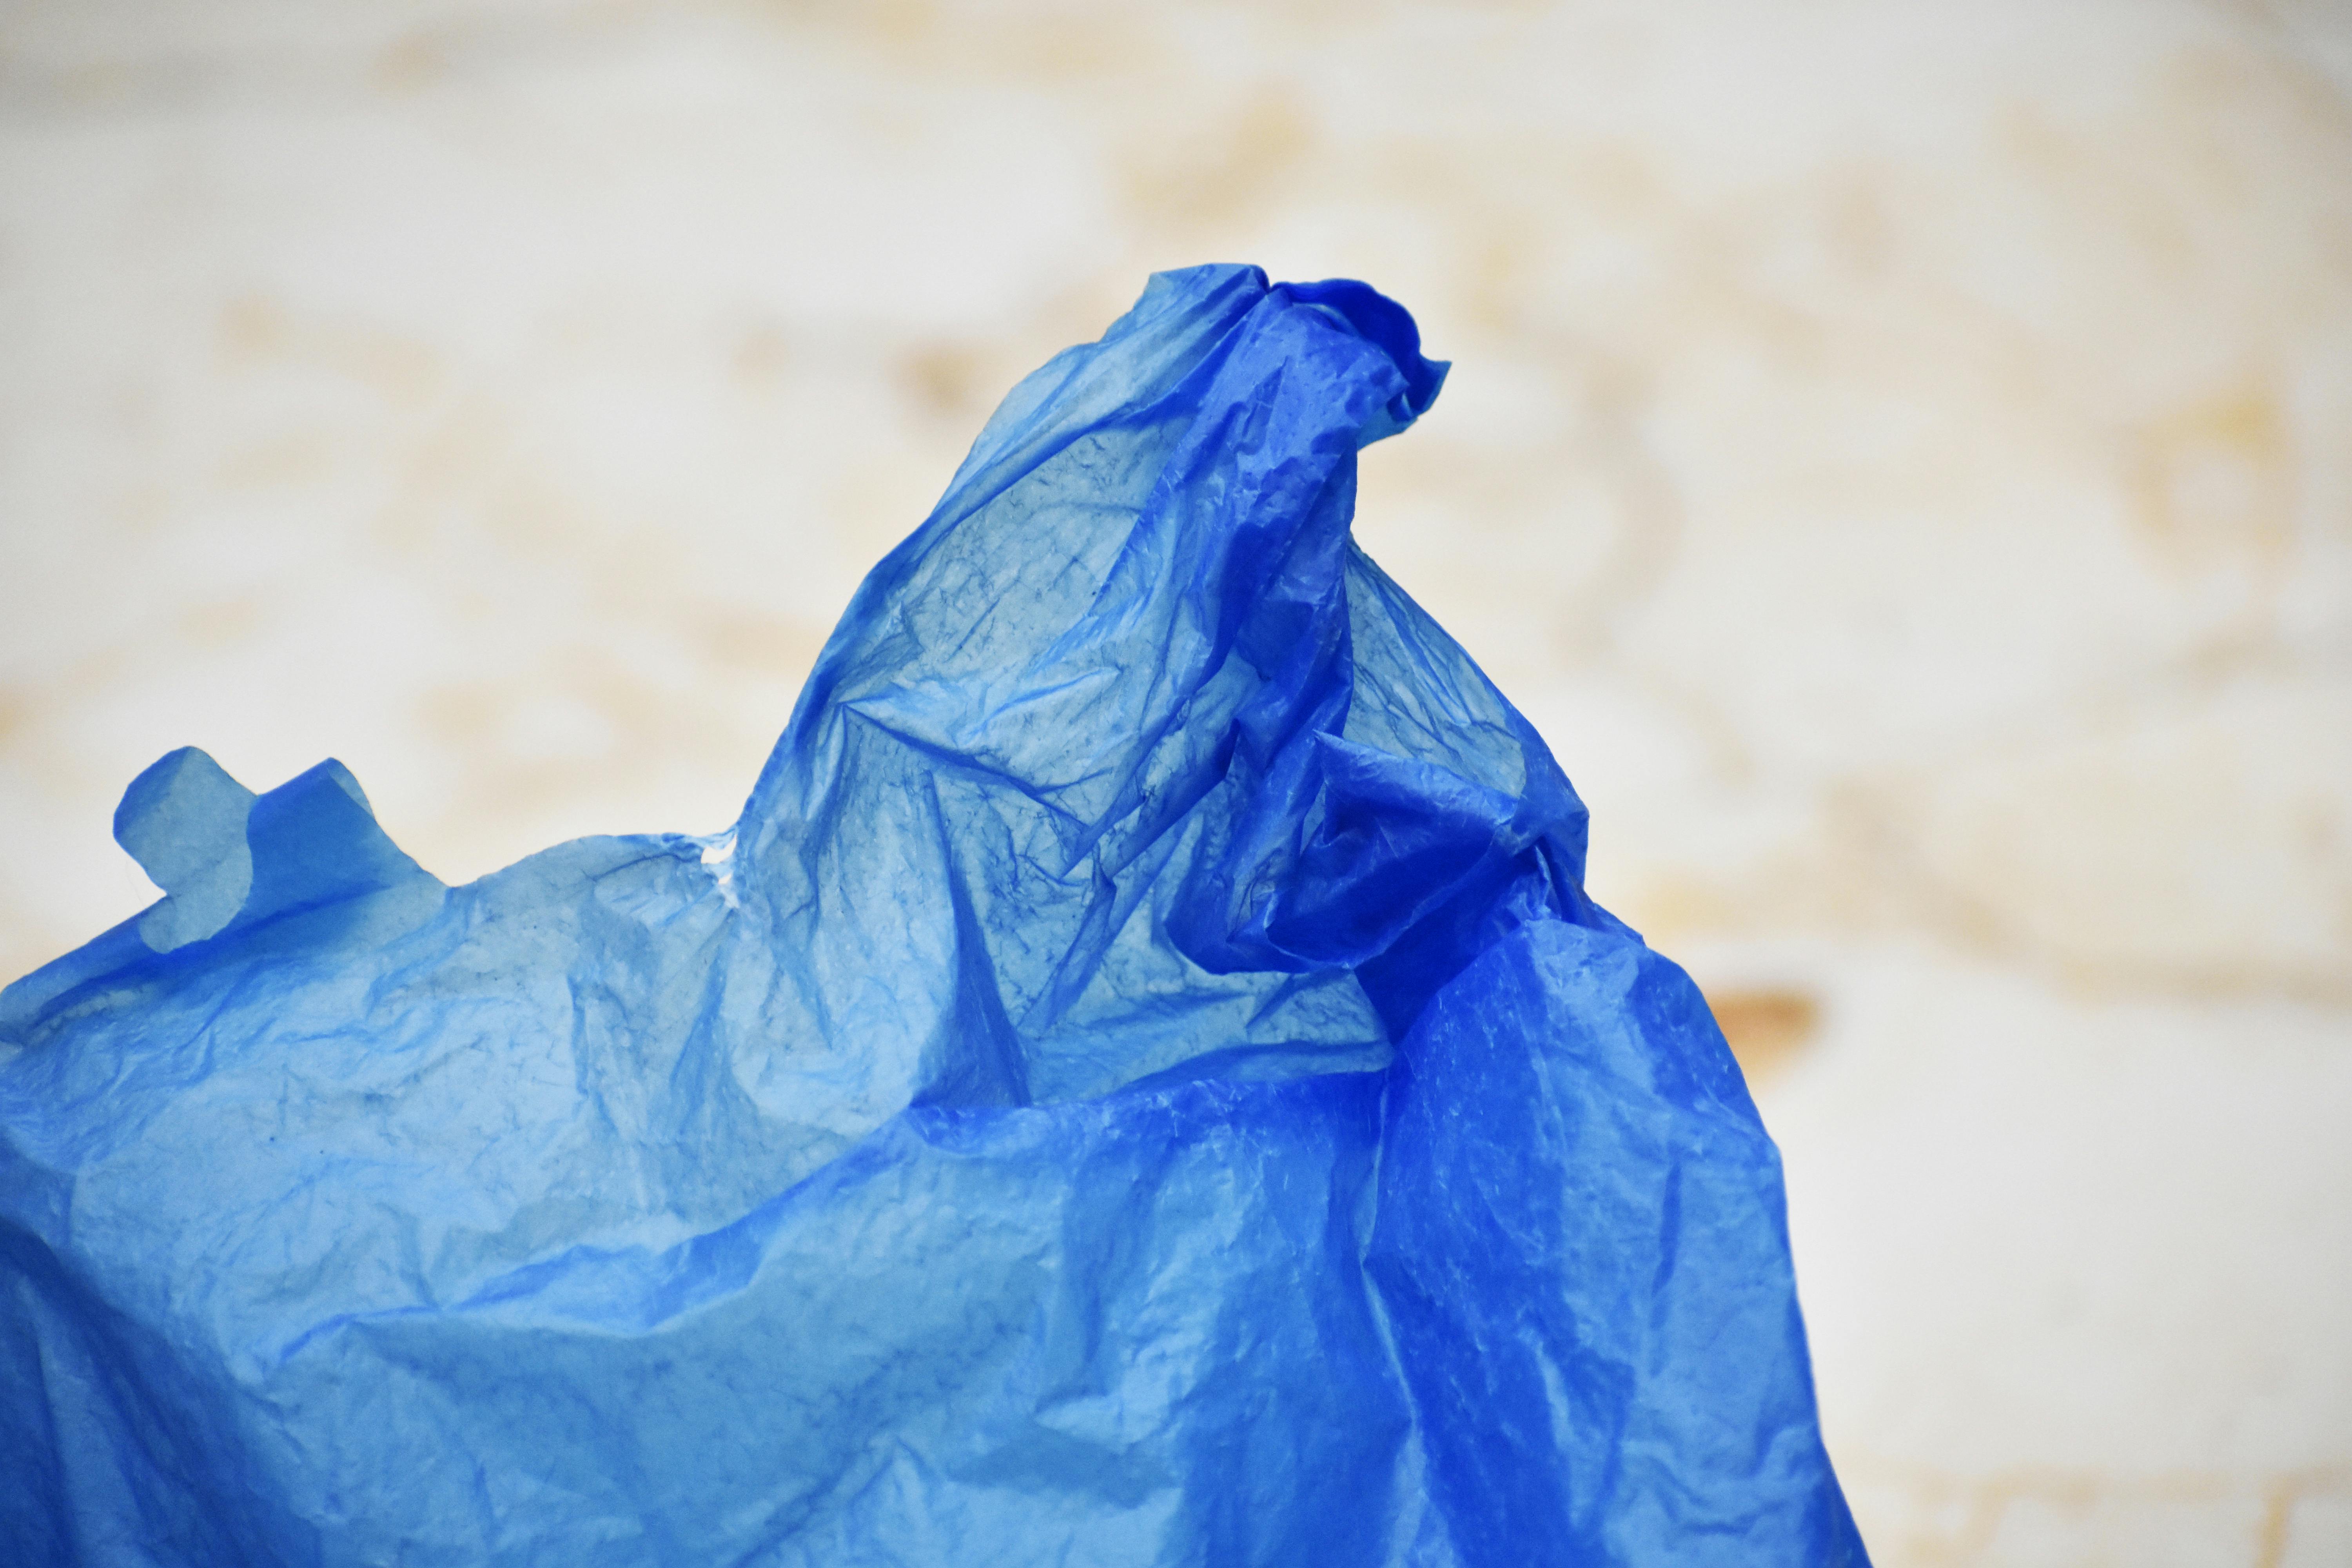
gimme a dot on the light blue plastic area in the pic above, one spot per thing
(1141, 1084)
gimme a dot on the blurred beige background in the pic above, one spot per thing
(1900, 455)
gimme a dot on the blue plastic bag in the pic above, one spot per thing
(1141, 1083)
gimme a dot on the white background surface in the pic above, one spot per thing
(1900, 455)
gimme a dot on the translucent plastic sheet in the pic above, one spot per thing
(1141, 1083)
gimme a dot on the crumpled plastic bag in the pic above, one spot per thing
(1141, 1083)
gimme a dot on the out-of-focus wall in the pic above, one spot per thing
(1899, 454)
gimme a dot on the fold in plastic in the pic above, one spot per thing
(1141, 1083)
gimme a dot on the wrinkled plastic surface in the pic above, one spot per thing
(1141, 1083)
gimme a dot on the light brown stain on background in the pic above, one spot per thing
(1767, 1027)
(2213, 484)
